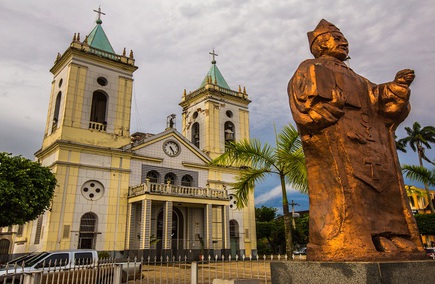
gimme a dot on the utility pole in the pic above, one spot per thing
(293, 204)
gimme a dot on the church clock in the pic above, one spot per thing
(171, 148)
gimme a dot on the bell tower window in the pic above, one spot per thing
(56, 109)
(195, 134)
(98, 111)
(229, 131)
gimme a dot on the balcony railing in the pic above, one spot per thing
(177, 190)
(97, 126)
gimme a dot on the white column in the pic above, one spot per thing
(226, 226)
(146, 224)
(167, 225)
(208, 226)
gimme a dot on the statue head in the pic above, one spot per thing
(327, 39)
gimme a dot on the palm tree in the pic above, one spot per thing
(400, 146)
(286, 160)
(419, 138)
(421, 174)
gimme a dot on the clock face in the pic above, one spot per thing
(171, 148)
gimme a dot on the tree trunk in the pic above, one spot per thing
(287, 220)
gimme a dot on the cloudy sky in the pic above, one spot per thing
(260, 44)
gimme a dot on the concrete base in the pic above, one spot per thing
(313, 272)
(236, 281)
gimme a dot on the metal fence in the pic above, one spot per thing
(152, 270)
(180, 270)
(106, 271)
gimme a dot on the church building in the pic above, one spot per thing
(153, 194)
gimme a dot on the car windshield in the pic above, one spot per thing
(31, 261)
(19, 260)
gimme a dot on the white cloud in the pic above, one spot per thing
(273, 194)
(260, 44)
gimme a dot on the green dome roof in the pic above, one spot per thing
(216, 77)
(97, 38)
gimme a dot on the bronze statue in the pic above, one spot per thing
(358, 206)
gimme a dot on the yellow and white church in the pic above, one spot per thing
(149, 194)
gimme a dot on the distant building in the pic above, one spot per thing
(419, 202)
(143, 193)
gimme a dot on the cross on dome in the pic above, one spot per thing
(213, 54)
(99, 21)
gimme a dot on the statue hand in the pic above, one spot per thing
(328, 112)
(404, 77)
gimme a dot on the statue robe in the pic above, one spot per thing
(356, 189)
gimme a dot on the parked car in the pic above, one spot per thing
(302, 250)
(77, 261)
(430, 252)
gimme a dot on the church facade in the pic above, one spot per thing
(138, 192)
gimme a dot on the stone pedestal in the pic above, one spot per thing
(313, 272)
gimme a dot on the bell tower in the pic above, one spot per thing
(90, 101)
(88, 124)
(214, 114)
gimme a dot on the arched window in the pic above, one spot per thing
(195, 134)
(170, 177)
(234, 237)
(234, 229)
(4, 246)
(153, 176)
(98, 111)
(186, 180)
(88, 231)
(229, 131)
(57, 109)
(411, 199)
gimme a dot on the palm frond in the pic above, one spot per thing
(245, 183)
(248, 153)
(296, 172)
(419, 174)
(292, 158)
(289, 139)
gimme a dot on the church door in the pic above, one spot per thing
(176, 232)
(87, 234)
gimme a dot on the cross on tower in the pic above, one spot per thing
(213, 54)
(99, 13)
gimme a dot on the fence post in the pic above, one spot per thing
(32, 278)
(117, 274)
(194, 273)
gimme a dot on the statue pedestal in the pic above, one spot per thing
(313, 272)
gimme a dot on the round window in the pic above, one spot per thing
(92, 190)
(102, 81)
(229, 113)
(233, 202)
(195, 115)
(60, 82)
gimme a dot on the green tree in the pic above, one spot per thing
(26, 189)
(300, 235)
(265, 214)
(426, 223)
(286, 160)
(265, 227)
(418, 138)
(423, 175)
